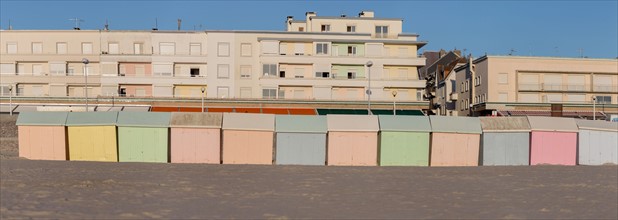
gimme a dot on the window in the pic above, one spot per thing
(245, 72)
(467, 85)
(245, 92)
(37, 69)
(461, 88)
(137, 48)
(282, 73)
(61, 48)
(223, 71)
(195, 49)
(351, 50)
(269, 70)
(419, 94)
(321, 48)
(195, 72)
(112, 48)
(403, 52)
(7, 68)
(351, 75)
(403, 73)
(381, 31)
(283, 48)
(503, 78)
(301, 29)
(223, 92)
(11, 48)
(299, 73)
(245, 50)
(37, 48)
(503, 97)
(167, 48)
(57, 68)
(299, 49)
(351, 28)
(269, 93)
(325, 28)
(160, 69)
(86, 48)
(553, 98)
(484, 98)
(223, 49)
(576, 98)
(322, 74)
(270, 47)
(604, 99)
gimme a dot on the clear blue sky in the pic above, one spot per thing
(537, 28)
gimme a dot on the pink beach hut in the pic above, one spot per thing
(352, 140)
(553, 141)
(42, 135)
(248, 138)
(195, 137)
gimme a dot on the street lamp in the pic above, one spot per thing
(10, 99)
(369, 64)
(85, 62)
(594, 108)
(203, 90)
(394, 92)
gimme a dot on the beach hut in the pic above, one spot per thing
(92, 136)
(143, 136)
(352, 140)
(195, 137)
(301, 139)
(404, 140)
(248, 138)
(553, 140)
(598, 142)
(42, 135)
(455, 141)
(506, 141)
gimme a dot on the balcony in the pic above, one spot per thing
(554, 87)
(454, 96)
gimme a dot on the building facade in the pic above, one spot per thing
(507, 85)
(321, 58)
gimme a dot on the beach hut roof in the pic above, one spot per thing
(596, 125)
(505, 124)
(91, 118)
(352, 123)
(144, 119)
(450, 124)
(300, 123)
(404, 123)
(42, 118)
(196, 120)
(538, 123)
(249, 121)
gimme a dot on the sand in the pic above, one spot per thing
(64, 189)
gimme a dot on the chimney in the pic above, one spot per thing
(310, 14)
(290, 19)
(343, 15)
(366, 14)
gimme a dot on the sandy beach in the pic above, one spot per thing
(66, 189)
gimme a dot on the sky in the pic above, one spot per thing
(567, 28)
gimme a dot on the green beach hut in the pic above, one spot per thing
(143, 136)
(404, 140)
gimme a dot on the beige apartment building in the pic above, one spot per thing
(514, 85)
(319, 58)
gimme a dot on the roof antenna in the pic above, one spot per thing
(179, 22)
(512, 51)
(106, 25)
(156, 27)
(10, 26)
(77, 21)
(581, 52)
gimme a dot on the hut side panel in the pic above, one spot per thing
(506, 148)
(451, 149)
(140, 144)
(42, 142)
(247, 147)
(598, 147)
(93, 143)
(404, 149)
(557, 148)
(301, 149)
(195, 145)
(352, 148)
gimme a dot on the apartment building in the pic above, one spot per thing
(511, 85)
(441, 82)
(320, 58)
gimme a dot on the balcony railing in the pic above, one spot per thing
(554, 87)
